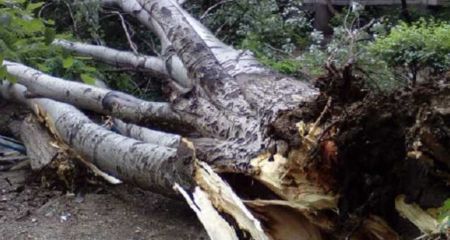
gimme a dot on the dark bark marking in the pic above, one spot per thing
(87, 90)
(96, 144)
(109, 100)
(76, 128)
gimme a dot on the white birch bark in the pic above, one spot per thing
(174, 66)
(147, 165)
(235, 61)
(128, 59)
(92, 98)
(146, 134)
(115, 57)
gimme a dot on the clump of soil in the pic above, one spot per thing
(386, 145)
(375, 139)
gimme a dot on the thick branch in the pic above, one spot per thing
(235, 61)
(115, 57)
(147, 135)
(142, 133)
(127, 59)
(147, 165)
(173, 64)
(189, 45)
(92, 98)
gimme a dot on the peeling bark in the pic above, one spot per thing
(37, 141)
(216, 227)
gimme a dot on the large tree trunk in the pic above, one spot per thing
(290, 152)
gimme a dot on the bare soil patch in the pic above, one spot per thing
(29, 211)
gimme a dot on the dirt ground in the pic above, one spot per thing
(29, 211)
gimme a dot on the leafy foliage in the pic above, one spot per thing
(272, 29)
(423, 44)
(276, 26)
(26, 38)
(349, 45)
(90, 23)
(382, 53)
(22, 36)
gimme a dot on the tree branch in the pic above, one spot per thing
(125, 29)
(147, 165)
(128, 59)
(235, 61)
(146, 135)
(115, 57)
(93, 98)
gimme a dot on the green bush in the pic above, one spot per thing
(349, 46)
(279, 28)
(272, 29)
(423, 45)
(26, 38)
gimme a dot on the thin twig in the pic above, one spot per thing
(325, 109)
(124, 26)
(213, 7)
(43, 8)
(278, 50)
(151, 44)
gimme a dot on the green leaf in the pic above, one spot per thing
(50, 22)
(1, 59)
(88, 79)
(32, 26)
(68, 62)
(446, 206)
(33, 6)
(89, 69)
(19, 1)
(11, 78)
(49, 35)
(444, 211)
(3, 72)
(43, 68)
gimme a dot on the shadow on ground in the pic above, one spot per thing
(28, 211)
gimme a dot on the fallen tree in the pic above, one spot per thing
(264, 156)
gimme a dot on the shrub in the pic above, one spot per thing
(349, 45)
(423, 45)
(26, 37)
(272, 29)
